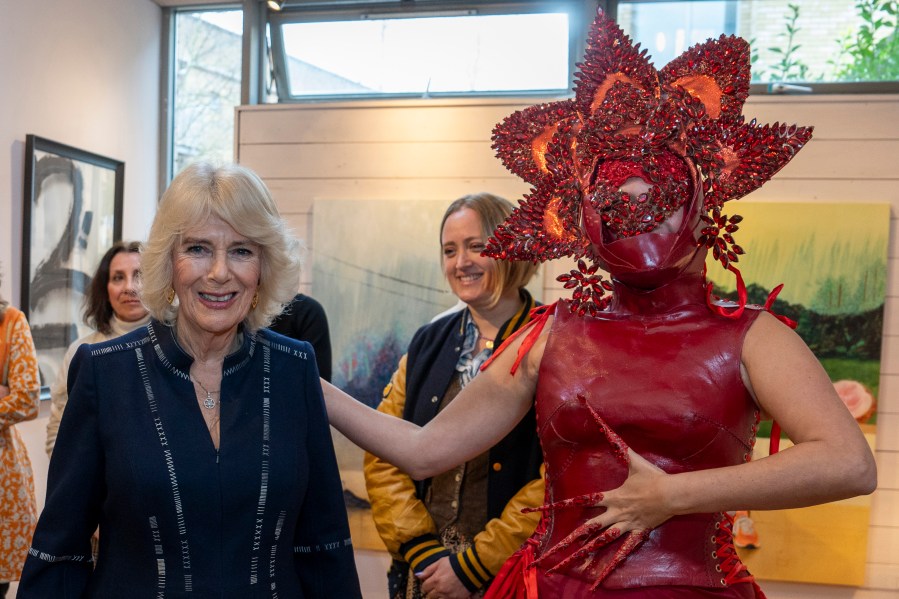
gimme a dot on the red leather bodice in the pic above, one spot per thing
(663, 373)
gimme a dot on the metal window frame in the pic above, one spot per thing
(793, 87)
(252, 61)
(255, 65)
(580, 15)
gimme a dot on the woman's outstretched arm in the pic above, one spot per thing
(482, 414)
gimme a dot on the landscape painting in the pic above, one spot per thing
(832, 260)
(377, 270)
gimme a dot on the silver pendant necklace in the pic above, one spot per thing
(209, 402)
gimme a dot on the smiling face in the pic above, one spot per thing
(124, 286)
(469, 274)
(215, 276)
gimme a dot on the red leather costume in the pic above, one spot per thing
(632, 174)
(667, 382)
(658, 372)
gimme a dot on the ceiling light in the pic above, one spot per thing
(275, 5)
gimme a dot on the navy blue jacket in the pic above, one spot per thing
(262, 516)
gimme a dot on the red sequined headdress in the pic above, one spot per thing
(627, 112)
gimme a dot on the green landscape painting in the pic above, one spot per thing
(832, 260)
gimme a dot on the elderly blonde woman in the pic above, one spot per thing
(200, 443)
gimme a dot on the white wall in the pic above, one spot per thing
(440, 149)
(84, 73)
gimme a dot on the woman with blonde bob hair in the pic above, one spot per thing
(492, 210)
(206, 473)
(453, 531)
(235, 195)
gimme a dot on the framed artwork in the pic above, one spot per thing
(832, 258)
(72, 214)
(394, 272)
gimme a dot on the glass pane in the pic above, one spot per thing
(802, 41)
(207, 85)
(422, 55)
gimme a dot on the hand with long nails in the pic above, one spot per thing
(631, 511)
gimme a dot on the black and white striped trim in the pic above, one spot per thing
(170, 468)
(46, 557)
(264, 466)
(322, 547)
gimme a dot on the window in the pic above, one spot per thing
(206, 81)
(323, 49)
(803, 43)
(421, 54)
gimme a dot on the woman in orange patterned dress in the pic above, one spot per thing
(19, 387)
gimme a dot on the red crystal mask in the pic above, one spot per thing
(627, 116)
(649, 258)
(626, 214)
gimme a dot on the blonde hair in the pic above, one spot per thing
(492, 211)
(238, 196)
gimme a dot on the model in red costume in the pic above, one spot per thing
(648, 397)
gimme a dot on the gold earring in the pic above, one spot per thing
(255, 301)
(170, 296)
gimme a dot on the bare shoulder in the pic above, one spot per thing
(768, 338)
(785, 377)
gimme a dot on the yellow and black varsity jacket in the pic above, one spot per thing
(514, 480)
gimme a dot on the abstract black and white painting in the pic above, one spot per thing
(72, 214)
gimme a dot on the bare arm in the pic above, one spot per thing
(830, 459)
(482, 414)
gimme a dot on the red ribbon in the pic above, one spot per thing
(741, 294)
(774, 444)
(538, 318)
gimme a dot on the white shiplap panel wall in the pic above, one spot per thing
(440, 150)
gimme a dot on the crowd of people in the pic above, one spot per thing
(595, 447)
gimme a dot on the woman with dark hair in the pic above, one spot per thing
(454, 531)
(112, 308)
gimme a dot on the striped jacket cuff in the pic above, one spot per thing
(423, 551)
(469, 569)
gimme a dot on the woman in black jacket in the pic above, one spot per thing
(454, 531)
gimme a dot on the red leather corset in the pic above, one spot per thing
(669, 385)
